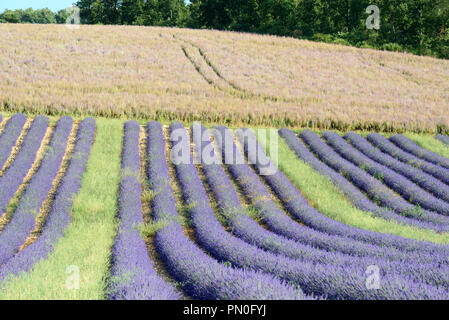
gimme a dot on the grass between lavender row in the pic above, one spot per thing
(87, 243)
(328, 199)
(88, 240)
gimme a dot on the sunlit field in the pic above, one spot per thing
(225, 77)
(320, 171)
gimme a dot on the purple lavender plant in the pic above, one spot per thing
(335, 282)
(23, 220)
(320, 231)
(390, 148)
(9, 137)
(442, 138)
(59, 216)
(14, 175)
(411, 147)
(419, 250)
(201, 276)
(424, 180)
(237, 217)
(251, 232)
(376, 190)
(395, 181)
(133, 276)
(358, 198)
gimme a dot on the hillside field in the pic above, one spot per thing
(136, 164)
(218, 77)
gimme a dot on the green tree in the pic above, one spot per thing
(9, 16)
(85, 7)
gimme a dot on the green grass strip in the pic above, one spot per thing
(323, 195)
(87, 243)
(430, 143)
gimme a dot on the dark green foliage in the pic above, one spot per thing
(29, 15)
(416, 26)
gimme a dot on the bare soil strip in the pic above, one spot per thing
(2, 124)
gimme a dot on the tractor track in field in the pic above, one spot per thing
(210, 73)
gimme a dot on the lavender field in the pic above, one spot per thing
(218, 77)
(96, 208)
(159, 163)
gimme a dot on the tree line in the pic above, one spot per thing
(417, 26)
(42, 16)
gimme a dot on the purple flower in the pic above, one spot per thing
(420, 250)
(59, 216)
(251, 232)
(442, 138)
(358, 198)
(395, 181)
(411, 147)
(424, 180)
(133, 276)
(9, 137)
(14, 175)
(390, 148)
(376, 190)
(333, 281)
(201, 276)
(23, 220)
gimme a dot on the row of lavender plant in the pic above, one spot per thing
(251, 232)
(390, 148)
(133, 276)
(418, 264)
(335, 282)
(374, 189)
(201, 276)
(338, 232)
(14, 175)
(411, 147)
(23, 220)
(237, 217)
(59, 216)
(395, 181)
(442, 138)
(9, 136)
(358, 198)
(318, 231)
(424, 180)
